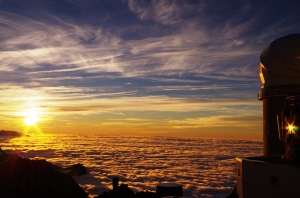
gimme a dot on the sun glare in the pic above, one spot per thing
(31, 117)
(291, 128)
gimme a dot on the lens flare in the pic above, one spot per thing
(292, 128)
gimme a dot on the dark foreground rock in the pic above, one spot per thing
(77, 169)
(10, 133)
(23, 178)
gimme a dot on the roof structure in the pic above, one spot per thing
(280, 62)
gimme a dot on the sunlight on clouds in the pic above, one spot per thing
(57, 96)
(167, 57)
(142, 162)
(22, 105)
(37, 52)
(216, 121)
(154, 103)
(66, 108)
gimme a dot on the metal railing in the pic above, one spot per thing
(277, 93)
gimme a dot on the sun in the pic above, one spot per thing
(31, 117)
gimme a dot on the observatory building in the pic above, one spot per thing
(279, 71)
(276, 173)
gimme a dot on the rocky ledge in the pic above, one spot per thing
(21, 177)
(10, 133)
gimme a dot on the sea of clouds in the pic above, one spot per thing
(204, 167)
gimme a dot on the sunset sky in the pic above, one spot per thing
(137, 67)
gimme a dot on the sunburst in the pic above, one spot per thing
(31, 117)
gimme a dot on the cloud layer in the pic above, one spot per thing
(204, 167)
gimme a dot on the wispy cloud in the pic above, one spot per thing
(89, 57)
(64, 47)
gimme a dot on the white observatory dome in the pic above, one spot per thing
(280, 62)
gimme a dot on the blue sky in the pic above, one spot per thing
(182, 68)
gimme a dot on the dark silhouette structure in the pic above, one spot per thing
(277, 172)
(123, 191)
(280, 76)
(115, 183)
(166, 189)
